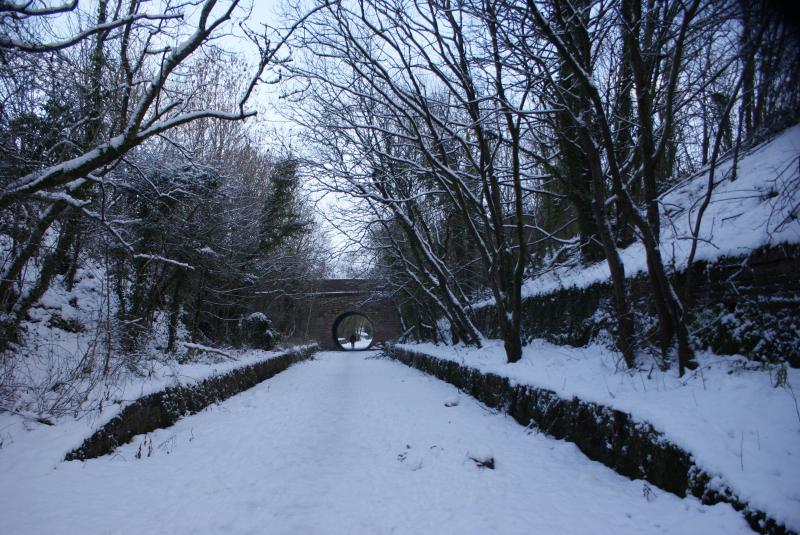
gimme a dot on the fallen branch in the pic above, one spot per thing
(207, 349)
(34, 418)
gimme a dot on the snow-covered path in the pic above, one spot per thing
(347, 443)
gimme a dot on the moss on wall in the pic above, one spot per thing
(630, 447)
(163, 409)
(748, 305)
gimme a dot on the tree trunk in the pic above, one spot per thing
(625, 325)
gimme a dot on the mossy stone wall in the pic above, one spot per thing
(162, 409)
(632, 448)
(748, 305)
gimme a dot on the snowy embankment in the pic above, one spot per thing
(57, 366)
(25, 441)
(728, 414)
(759, 208)
(346, 443)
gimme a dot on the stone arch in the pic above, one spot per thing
(308, 315)
(337, 322)
(329, 299)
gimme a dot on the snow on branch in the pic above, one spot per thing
(40, 48)
(25, 9)
(159, 258)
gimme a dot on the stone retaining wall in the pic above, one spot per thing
(612, 437)
(163, 409)
(748, 305)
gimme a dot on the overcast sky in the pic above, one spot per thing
(279, 134)
(268, 12)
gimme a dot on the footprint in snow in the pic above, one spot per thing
(410, 459)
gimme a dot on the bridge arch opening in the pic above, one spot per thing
(353, 331)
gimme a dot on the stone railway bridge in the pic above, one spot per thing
(329, 301)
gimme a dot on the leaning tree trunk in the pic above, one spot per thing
(625, 325)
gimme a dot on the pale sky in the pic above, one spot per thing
(278, 130)
(268, 12)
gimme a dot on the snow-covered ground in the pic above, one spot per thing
(361, 343)
(347, 443)
(758, 208)
(49, 444)
(728, 414)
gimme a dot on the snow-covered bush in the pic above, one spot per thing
(257, 332)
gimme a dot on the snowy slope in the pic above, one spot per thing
(25, 442)
(57, 369)
(63, 336)
(64, 342)
(727, 413)
(759, 208)
(344, 444)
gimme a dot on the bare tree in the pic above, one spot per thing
(415, 102)
(494, 114)
(98, 92)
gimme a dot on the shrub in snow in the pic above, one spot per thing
(71, 325)
(258, 316)
(257, 331)
(751, 329)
